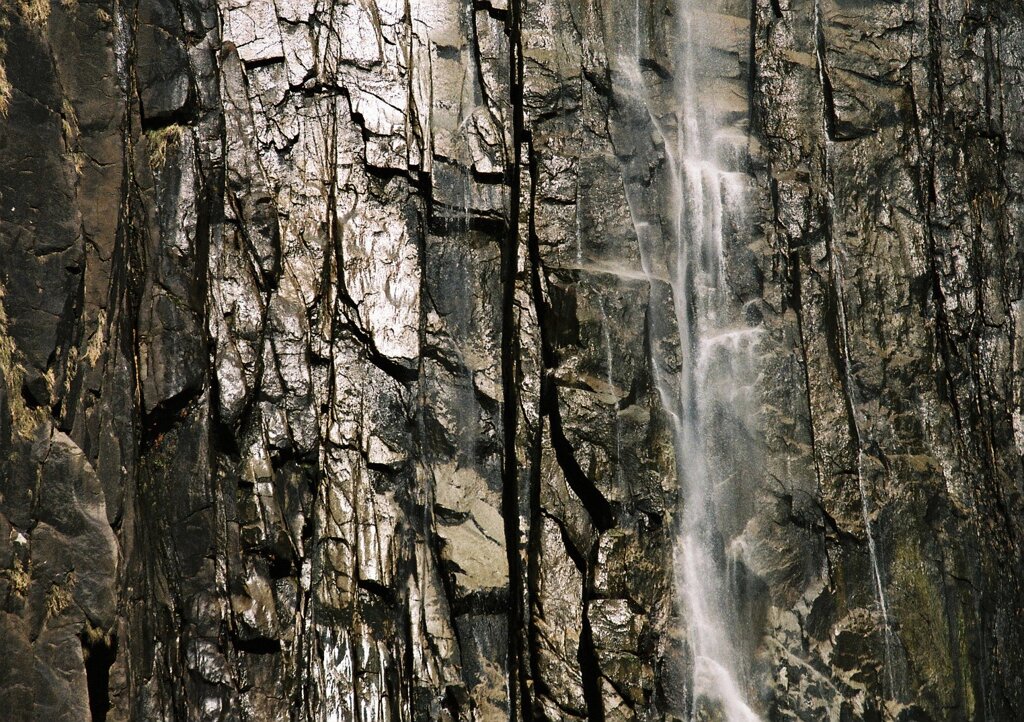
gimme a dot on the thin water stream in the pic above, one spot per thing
(839, 282)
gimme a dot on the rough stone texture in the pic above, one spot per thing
(326, 391)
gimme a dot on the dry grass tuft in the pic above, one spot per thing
(59, 597)
(71, 134)
(19, 576)
(5, 84)
(35, 12)
(23, 419)
(163, 142)
(5, 90)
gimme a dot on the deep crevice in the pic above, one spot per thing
(826, 82)
(482, 602)
(597, 506)
(168, 414)
(378, 590)
(590, 666)
(519, 692)
(99, 652)
(257, 645)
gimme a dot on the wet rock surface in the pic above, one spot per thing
(325, 379)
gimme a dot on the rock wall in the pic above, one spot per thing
(324, 348)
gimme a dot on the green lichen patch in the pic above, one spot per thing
(921, 611)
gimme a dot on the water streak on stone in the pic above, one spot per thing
(713, 376)
(839, 283)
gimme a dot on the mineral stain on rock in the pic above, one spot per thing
(356, 359)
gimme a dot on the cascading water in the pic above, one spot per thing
(706, 383)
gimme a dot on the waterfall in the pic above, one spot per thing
(707, 383)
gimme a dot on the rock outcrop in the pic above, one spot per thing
(325, 359)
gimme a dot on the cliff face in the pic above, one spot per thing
(328, 357)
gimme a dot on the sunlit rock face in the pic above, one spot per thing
(546, 359)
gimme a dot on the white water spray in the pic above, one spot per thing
(612, 388)
(706, 384)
